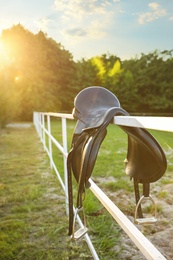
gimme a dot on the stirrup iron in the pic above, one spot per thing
(149, 220)
(81, 231)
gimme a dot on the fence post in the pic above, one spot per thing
(43, 132)
(39, 126)
(64, 137)
(50, 142)
(36, 121)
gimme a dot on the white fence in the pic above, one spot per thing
(43, 129)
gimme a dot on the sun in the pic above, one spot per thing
(17, 78)
(7, 60)
(5, 53)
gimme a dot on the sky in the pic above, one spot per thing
(89, 28)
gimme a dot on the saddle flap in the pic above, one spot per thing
(85, 155)
(146, 161)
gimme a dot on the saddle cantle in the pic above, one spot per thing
(94, 108)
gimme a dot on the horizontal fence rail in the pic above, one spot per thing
(157, 123)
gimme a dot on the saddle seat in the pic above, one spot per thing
(91, 107)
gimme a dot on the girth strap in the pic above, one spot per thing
(137, 196)
(146, 194)
(75, 143)
(70, 194)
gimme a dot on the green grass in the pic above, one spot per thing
(33, 221)
(33, 224)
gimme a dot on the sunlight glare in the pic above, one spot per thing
(4, 59)
(1, 48)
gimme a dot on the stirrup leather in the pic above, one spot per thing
(147, 220)
(83, 230)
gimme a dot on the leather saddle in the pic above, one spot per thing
(94, 109)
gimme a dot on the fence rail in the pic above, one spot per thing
(157, 123)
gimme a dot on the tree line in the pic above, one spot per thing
(38, 74)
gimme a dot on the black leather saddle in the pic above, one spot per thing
(94, 109)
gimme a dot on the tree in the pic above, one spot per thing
(143, 84)
(108, 70)
(152, 81)
(43, 71)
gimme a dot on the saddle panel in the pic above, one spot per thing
(86, 152)
(90, 154)
(77, 153)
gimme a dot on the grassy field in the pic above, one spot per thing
(33, 222)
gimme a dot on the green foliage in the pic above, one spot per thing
(151, 83)
(38, 74)
(108, 70)
(86, 75)
(8, 96)
(143, 84)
